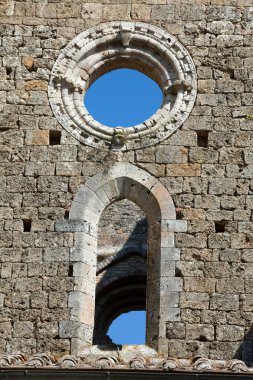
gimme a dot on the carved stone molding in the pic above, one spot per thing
(123, 357)
(114, 45)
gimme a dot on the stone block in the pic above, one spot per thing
(56, 254)
(71, 329)
(200, 332)
(58, 299)
(52, 184)
(201, 285)
(184, 240)
(225, 302)
(219, 186)
(183, 170)
(224, 350)
(117, 12)
(6, 213)
(173, 314)
(203, 255)
(230, 255)
(183, 138)
(28, 284)
(73, 225)
(23, 330)
(39, 168)
(205, 227)
(190, 269)
(170, 284)
(92, 11)
(62, 153)
(203, 155)
(228, 86)
(171, 154)
(214, 317)
(219, 240)
(207, 202)
(230, 286)
(40, 137)
(191, 316)
(194, 300)
(163, 12)
(68, 168)
(229, 333)
(190, 12)
(175, 225)
(5, 330)
(175, 330)
(39, 300)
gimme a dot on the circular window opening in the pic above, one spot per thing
(128, 328)
(123, 97)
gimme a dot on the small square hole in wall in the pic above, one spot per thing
(27, 225)
(179, 213)
(70, 272)
(66, 214)
(202, 138)
(54, 137)
(220, 226)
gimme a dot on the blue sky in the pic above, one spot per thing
(124, 97)
(129, 328)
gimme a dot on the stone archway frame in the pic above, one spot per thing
(109, 46)
(120, 181)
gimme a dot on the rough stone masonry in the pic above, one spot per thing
(46, 297)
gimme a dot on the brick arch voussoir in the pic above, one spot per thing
(122, 180)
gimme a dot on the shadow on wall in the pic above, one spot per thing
(121, 282)
(245, 350)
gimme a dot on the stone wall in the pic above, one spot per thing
(206, 166)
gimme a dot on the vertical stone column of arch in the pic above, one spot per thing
(123, 180)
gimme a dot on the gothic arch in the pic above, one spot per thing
(120, 181)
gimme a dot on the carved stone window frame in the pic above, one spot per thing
(123, 181)
(114, 45)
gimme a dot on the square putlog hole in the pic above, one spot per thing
(202, 138)
(220, 226)
(54, 137)
(27, 225)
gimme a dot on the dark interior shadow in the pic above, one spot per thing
(245, 350)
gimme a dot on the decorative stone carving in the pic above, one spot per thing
(169, 365)
(119, 138)
(178, 85)
(106, 362)
(109, 46)
(129, 357)
(137, 363)
(68, 361)
(40, 360)
(8, 360)
(202, 364)
(126, 33)
(237, 366)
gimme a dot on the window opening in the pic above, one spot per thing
(123, 97)
(121, 269)
(128, 328)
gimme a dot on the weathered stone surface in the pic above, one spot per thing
(206, 284)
